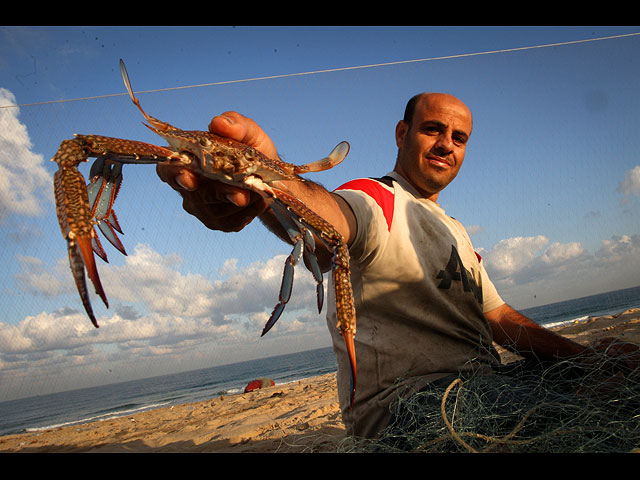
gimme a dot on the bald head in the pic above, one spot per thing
(428, 99)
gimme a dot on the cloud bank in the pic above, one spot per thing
(159, 315)
(524, 268)
(24, 181)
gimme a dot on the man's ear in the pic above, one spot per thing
(401, 132)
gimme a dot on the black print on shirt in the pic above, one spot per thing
(455, 271)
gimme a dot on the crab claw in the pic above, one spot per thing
(103, 190)
(351, 353)
(312, 264)
(81, 257)
(287, 285)
(336, 156)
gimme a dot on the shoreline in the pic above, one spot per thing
(297, 417)
(300, 417)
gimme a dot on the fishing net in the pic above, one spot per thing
(567, 407)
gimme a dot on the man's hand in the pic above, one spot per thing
(521, 335)
(218, 205)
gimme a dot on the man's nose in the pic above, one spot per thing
(444, 144)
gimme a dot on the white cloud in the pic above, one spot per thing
(156, 309)
(510, 255)
(522, 267)
(35, 277)
(473, 229)
(631, 184)
(24, 181)
(154, 280)
(619, 249)
(558, 253)
(67, 347)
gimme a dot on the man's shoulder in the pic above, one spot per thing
(379, 189)
(374, 187)
(365, 190)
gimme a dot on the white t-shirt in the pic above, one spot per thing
(420, 291)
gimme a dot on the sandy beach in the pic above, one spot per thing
(300, 417)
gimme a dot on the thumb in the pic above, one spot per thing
(243, 129)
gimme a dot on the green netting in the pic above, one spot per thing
(568, 407)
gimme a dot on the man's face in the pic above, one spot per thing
(431, 150)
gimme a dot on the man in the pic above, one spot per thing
(425, 306)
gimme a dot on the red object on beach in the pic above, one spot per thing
(260, 383)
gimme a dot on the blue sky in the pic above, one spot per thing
(549, 189)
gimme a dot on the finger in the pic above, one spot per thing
(183, 180)
(243, 129)
(238, 196)
(178, 178)
(187, 180)
(223, 216)
(211, 190)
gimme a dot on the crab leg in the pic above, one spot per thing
(75, 213)
(345, 307)
(336, 156)
(304, 245)
(74, 216)
(314, 268)
(295, 228)
(287, 284)
(103, 190)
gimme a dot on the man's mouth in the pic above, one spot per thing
(438, 161)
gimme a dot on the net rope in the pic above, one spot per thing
(568, 407)
(338, 69)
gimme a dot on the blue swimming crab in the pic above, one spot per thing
(81, 207)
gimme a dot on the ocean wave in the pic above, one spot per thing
(99, 418)
(571, 321)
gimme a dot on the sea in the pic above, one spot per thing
(105, 402)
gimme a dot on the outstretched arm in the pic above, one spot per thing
(223, 207)
(523, 336)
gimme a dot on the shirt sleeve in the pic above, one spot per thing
(491, 299)
(372, 203)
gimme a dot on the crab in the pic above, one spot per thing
(81, 207)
